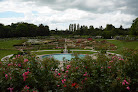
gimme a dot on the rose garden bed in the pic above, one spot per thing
(30, 74)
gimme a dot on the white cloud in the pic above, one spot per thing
(76, 11)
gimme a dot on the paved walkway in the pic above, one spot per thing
(60, 50)
(93, 55)
(6, 57)
(44, 50)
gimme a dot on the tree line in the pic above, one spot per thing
(22, 29)
(108, 32)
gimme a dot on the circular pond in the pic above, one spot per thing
(60, 57)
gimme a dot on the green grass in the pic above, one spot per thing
(8, 44)
(84, 52)
(43, 49)
(6, 47)
(99, 39)
(124, 44)
(47, 52)
(52, 52)
(7, 52)
(79, 49)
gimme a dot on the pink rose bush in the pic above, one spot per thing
(27, 74)
(84, 75)
(105, 74)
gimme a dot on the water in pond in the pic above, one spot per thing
(61, 56)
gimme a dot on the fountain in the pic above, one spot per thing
(65, 50)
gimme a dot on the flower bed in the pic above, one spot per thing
(29, 74)
(91, 75)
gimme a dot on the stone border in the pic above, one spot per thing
(6, 57)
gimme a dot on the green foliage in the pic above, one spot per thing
(8, 43)
(61, 51)
(106, 74)
(6, 46)
(84, 52)
(106, 34)
(134, 27)
(88, 75)
(22, 71)
(22, 29)
(48, 52)
(132, 58)
(103, 45)
(7, 52)
(69, 51)
(124, 44)
(103, 51)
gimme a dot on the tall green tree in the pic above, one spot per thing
(74, 27)
(22, 30)
(134, 27)
(43, 30)
(2, 32)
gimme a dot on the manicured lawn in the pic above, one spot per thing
(47, 52)
(6, 47)
(7, 52)
(124, 44)
(8, 44)
(84, 52)
(80, 49)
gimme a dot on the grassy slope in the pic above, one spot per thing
(7, 52)
(8, 44)
(124, 44)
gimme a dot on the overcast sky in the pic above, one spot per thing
(60, 13)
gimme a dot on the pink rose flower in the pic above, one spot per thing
(110, 61)
(127, 83)
(6, 76)
(123, 83)
(120, 59)
(85, 78)
(109, 67)
(67, 71)
(26, 87)
(84, 74)
(128, 88)
(59, 74)
(25, 75)
(19, 65)
(68, 66)
(63, 81)
(11, 89)
(25, 60)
